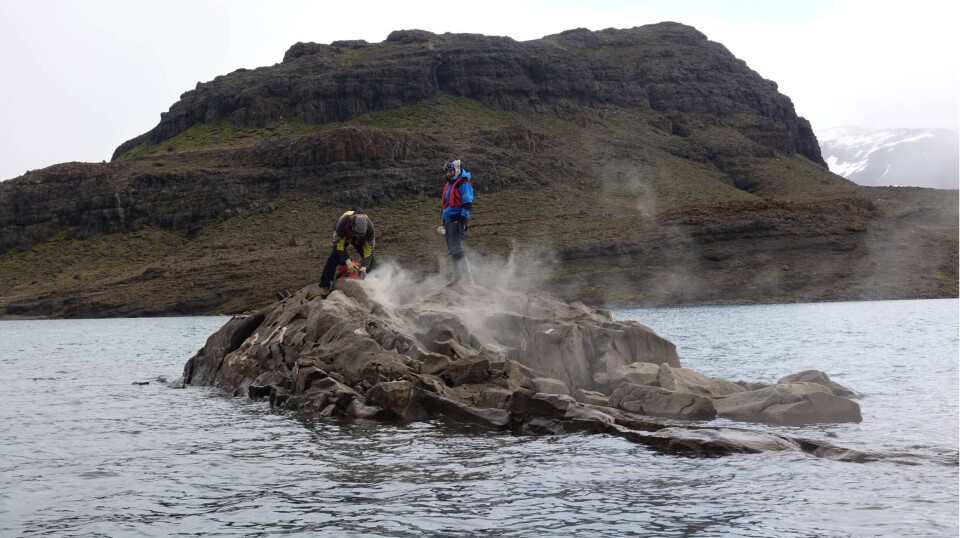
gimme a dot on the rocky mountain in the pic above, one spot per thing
(898, 157)
(638, 166)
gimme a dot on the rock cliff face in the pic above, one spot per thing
(502, 359)
(668, 67)
(569, 137)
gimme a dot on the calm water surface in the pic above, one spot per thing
(83, 452)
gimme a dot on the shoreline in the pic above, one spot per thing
(606, 307)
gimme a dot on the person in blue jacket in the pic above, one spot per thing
(456, 204)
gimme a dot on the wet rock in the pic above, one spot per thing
(334, 388)
(579, 418)
(708, 441)
(357, 409)
(527, 404)
(305, 377)
(490, 417)
(400, 397)
(263, 385)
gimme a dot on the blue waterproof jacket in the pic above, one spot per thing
(455, 199)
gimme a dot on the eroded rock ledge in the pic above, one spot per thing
(529, 363)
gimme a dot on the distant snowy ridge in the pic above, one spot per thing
(903, 157)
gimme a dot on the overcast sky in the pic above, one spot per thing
(82, 77)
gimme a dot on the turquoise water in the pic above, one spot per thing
(87, 453)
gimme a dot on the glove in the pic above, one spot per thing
(462, 223)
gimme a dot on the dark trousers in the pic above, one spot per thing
(455, 236)
(454, 239)
(339, 257)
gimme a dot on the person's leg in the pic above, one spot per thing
(454, 239)
(326, 277)
(463, 268)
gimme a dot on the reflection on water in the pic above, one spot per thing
(87, 453)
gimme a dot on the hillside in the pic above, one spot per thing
(641, 166)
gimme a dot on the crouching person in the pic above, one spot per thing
(352, 228)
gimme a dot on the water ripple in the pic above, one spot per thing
(88, 454)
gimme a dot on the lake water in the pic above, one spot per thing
(84, 452)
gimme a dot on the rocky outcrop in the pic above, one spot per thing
(497, 358)
(668, 67)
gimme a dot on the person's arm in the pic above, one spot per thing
(366, 248)
(340, 240)
(466, 199)
(466, 206)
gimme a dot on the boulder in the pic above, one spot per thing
(490, 417)
(434, 363)
(689, 381)
(518, 375)
(467, 371)
(660, 402)
(452, 348)
(265, 383)
(402, 398)
(820, 378)
(788, 404)
(638, 373)
(550, 386)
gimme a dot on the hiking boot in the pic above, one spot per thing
(321, 293)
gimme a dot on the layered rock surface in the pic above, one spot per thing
(503, 359)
